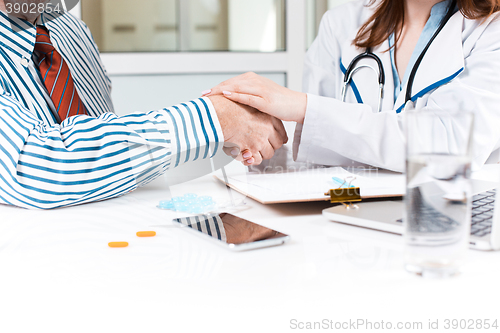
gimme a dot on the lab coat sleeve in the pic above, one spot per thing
(334, 132)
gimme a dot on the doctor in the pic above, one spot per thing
(458, 43)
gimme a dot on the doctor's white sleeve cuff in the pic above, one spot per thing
(305, 134)
(195, 131)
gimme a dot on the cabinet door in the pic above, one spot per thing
(130, 25)
(207, 25)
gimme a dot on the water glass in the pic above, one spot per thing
(438, 192)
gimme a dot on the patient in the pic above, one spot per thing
(61, 143)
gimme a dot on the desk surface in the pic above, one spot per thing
(58, 274)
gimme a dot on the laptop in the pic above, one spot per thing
(387, 216)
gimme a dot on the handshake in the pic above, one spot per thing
(250, 136)
(249, 108)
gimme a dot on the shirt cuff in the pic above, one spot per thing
(215, 119)
(195, 131)
(305, 133)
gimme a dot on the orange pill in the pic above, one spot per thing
(118, 244)
(146, 233)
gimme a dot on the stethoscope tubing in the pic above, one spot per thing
(349, 78)
(352, 69)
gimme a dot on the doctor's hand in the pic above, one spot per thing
(250, 135)
(264, 95)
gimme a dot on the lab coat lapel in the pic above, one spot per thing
(364, 85)
(443, 61)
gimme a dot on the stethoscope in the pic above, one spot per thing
(353, 67)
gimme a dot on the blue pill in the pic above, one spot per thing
(178, 199)
(166, 204)
(184, 208)
(190, 196)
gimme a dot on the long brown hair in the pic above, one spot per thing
(389, 18)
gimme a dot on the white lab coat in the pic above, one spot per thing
(461, 70)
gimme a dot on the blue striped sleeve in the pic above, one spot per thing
(87, 159)
(196, 129)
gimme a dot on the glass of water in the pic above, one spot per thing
(438, 192)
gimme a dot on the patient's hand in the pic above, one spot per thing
(255, 133)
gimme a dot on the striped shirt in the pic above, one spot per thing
(44, 164)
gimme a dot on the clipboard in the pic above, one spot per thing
(311, 184)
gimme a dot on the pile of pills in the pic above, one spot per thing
(189, 203)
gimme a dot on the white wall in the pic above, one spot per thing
(133, 93)
(152, 92)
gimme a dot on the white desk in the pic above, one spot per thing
(57, 273)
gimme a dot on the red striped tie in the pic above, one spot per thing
(57, 78)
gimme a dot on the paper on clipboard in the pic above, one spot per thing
(311, 184)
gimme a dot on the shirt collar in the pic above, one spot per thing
(18, 36)
(440, 9)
